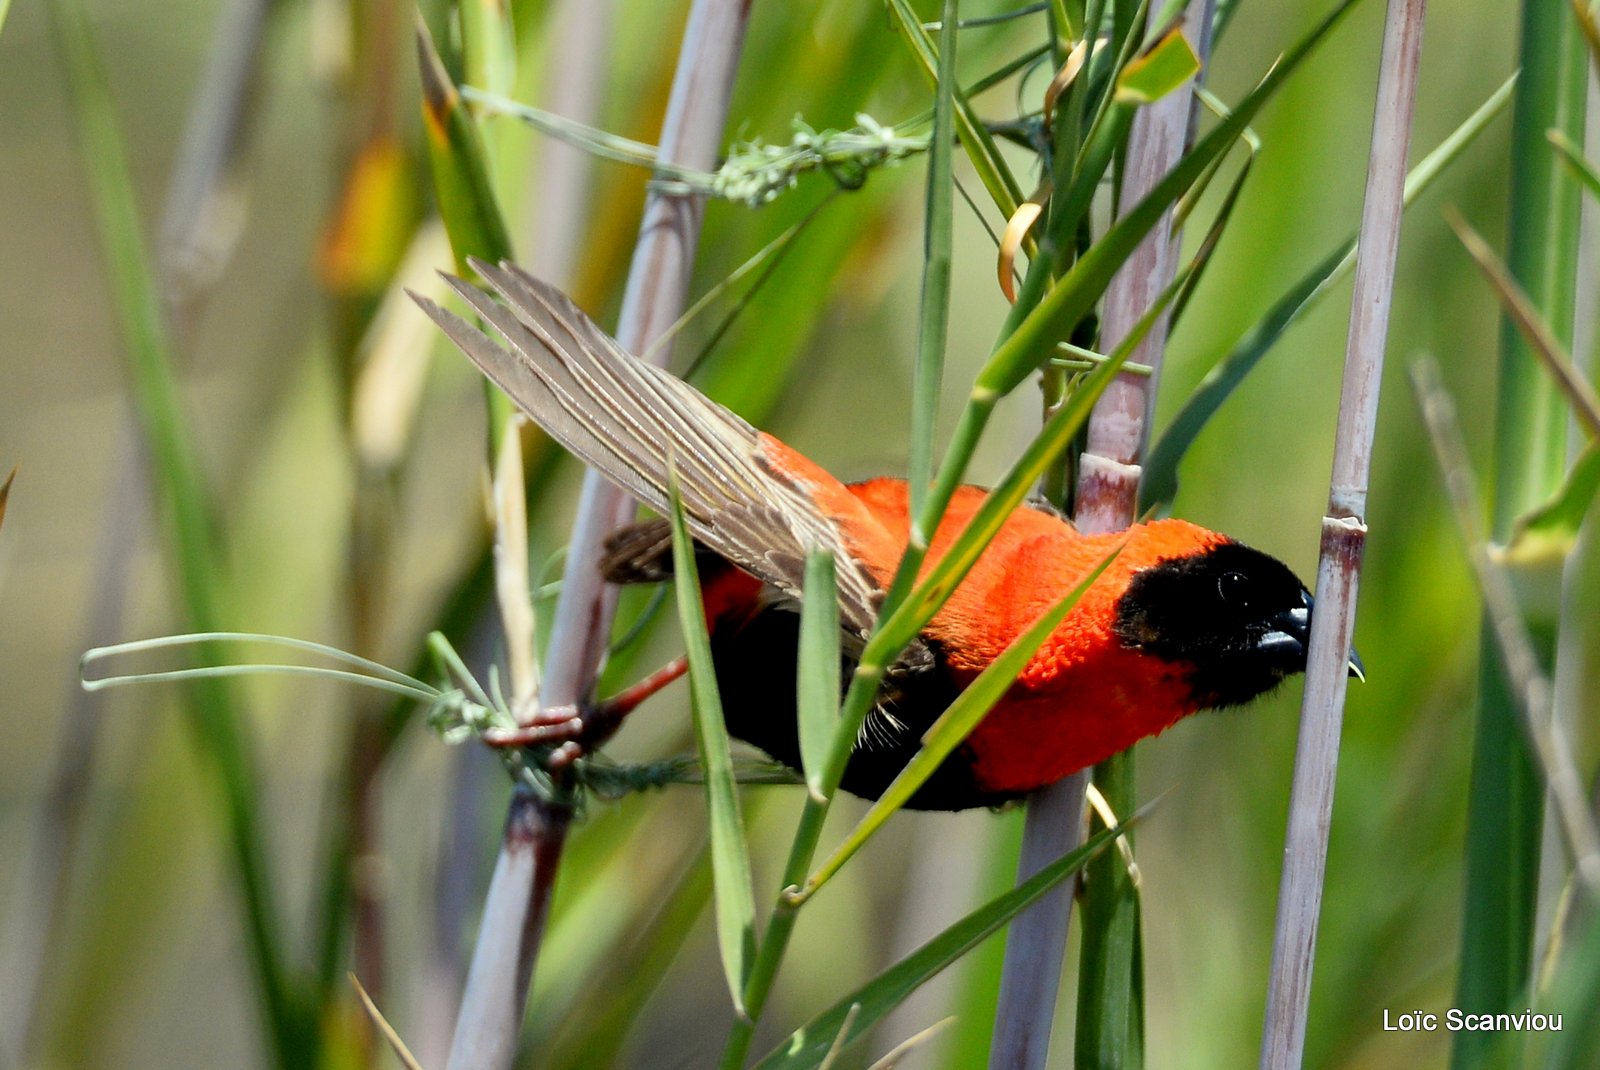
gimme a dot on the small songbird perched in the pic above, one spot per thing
(1183, 619)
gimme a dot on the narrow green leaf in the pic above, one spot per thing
(1159, 484)
(1505, 812)
(809, 1044)
(1077, 291)
(467, 202)
(991, 167)
(1159, 70)
(817, 689)
(955, 724)
(1213, 235)
(1108, 1036)
(1536, 332)
(730, 859)
(599, 143)
(1572, 155)
(1551, 531)
(933, 323)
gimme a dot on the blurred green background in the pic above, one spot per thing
(145, 965)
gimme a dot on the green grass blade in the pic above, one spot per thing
(991, 167)
(809, 1044)
(730, 859)
(466, 198)
(1537, 334)
(213, 717)
(933, 326)
(818, 684)
(1160, 481)
(138, 646)
(467, 203)
(1505, 810)
(1077, 291)
(955, 724)
(1572, 155)
(1213, 235)
(1108, 1033)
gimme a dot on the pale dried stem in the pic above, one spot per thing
(1343, 541)
(1108, 484)
(558, 195)
(512, 589)
(508, 939)
(1107, 498)
(1036, 943)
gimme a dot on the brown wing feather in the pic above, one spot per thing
(636, 424)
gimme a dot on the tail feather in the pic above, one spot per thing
(642, 427)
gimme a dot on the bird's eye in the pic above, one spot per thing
(1234, 588)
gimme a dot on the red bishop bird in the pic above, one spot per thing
(1184, 619)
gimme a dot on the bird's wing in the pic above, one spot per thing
(639, 426)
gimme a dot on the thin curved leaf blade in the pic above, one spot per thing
(460, 167)
(819, 673)
(1533, 327)
(733, 896)
(807, 1046)
(1572, 155)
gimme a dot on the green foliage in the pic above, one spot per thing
(1506, 808)
(730, 858)
(817, 683)
(840, 302)
(857, 1012)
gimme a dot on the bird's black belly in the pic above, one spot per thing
(756, 661)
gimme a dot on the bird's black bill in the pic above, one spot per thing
(1358, 670)
(1291, 636)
